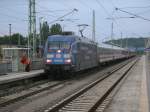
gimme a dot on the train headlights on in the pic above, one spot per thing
(48, 61)
(59, 51)
(68, 61)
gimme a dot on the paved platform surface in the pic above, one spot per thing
(132, 96)
(148, 76)
(10, 77)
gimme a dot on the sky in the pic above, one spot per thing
(15, 12)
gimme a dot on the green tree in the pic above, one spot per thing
(16, 39)
(44, 32)
(130, 42)
(1, 53)
(4, 40)
(55, 29)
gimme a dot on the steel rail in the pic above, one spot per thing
(69, 99)
(28, 94)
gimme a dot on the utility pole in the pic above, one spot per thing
(121, 40)
(93, 32)
(112, 32)
(29, 29)
(127, 43)
(10, 35)
(32, 25)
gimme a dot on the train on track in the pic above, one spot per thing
(72, 53)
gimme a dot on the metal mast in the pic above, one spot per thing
(10, 35)
(112, 32)
(93, 32)
(32, 25)
(121, 40)
(29, 28)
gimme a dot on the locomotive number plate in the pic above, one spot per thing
(58, 60)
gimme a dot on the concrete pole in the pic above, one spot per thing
(40, 39)
(93, 32)
(29, 29)
(112, 32)
(121, 40)
(126, 42)
(34, 28)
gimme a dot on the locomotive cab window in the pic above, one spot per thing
(64, 45)
(58, 45)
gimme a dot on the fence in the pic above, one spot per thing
(7, 67)
(37, 64)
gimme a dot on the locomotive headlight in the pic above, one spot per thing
(67, 55)
(68, 61)
(48, 61)
(59, 51)
(50, 55)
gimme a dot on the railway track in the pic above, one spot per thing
(6, 100)
(91, 97)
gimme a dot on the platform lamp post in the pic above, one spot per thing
(10, 35)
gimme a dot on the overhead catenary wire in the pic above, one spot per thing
(85, 4)
(137, 7)
(120, 28)
(133, 14)
(143, 12)
(52, 13)
(130, 17)
(64, 16)
(12, 10)
(101, 5)
(46, 14)
(47, 10)
(13, 17)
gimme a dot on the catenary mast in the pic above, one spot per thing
(32, 26)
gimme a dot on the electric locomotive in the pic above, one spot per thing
(69, 53)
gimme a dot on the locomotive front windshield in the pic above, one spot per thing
(58, 45)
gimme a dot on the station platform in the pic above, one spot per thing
(133, 94)
(11, 77)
